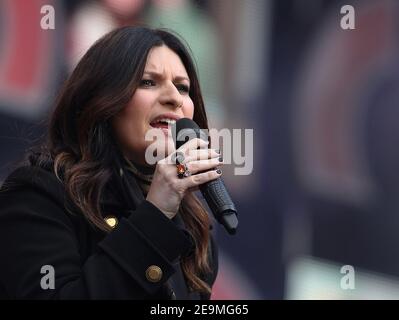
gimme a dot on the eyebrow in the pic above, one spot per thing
(159, 75)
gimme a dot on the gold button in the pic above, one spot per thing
(112, 221)
(153, 273)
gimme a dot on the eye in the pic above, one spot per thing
(183, 88)
(147, 83)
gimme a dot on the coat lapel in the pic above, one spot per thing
(125, 192)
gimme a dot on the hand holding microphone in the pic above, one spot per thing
(214, 192)
(168, 189)
(197, 167)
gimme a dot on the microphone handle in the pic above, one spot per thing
(220, 203)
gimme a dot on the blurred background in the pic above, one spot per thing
(321, 100)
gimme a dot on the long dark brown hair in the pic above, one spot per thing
(80, 140)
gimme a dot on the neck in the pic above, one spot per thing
(143, 174)
(146, 170)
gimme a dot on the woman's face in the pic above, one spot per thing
(163, 94)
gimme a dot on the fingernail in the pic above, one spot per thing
(218, 171)
(220, 159)
(218, 151)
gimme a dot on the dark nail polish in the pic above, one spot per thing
(218, 171)
(220, 159)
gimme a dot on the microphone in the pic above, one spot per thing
(214, 191)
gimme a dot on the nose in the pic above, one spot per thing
(171, 97)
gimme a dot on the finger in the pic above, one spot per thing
(193, 189)
(202, 165)
(202, 154)
(193, 144)
(200, 178)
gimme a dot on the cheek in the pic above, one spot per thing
(130, 125)
(188, 110)
(139, 107)
(137, 113)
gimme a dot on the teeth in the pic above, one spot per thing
(168, 121)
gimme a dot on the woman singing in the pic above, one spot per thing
(87, 217)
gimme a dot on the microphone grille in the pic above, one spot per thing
(186, 129)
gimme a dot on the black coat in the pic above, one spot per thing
(36, 230)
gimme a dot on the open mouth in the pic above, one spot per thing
(163, 124)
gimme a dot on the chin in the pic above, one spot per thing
(170, 147)
(159, 150)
